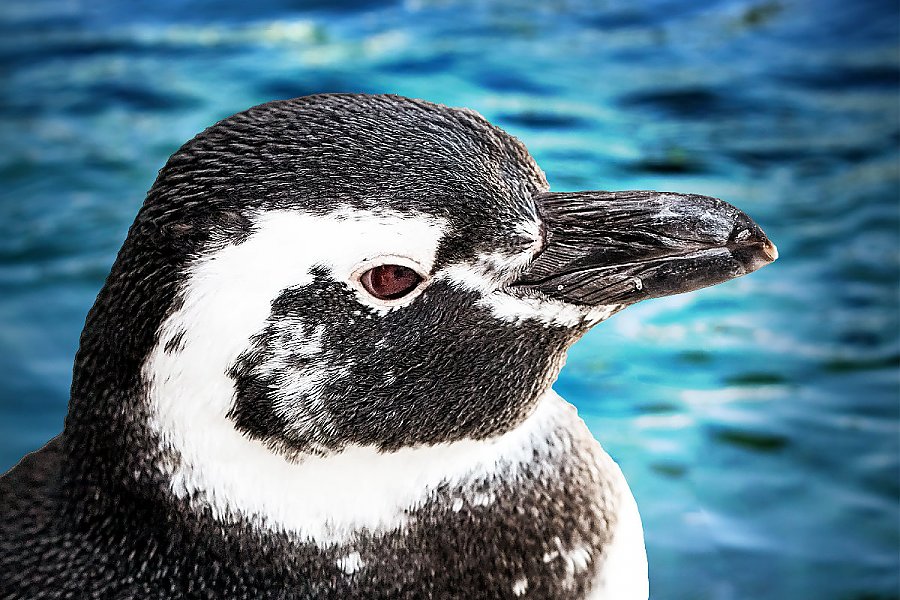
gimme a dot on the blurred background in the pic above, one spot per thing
(758, 421)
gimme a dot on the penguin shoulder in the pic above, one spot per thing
(30, 505)
(32, 479)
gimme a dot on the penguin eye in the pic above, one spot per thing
(389, 282)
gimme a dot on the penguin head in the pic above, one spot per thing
(352, 270)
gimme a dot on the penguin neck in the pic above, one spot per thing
(328, 498)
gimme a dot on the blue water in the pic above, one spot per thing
(758, 421)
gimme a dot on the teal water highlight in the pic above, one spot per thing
(758, 421)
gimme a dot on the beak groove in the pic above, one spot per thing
(604, 248)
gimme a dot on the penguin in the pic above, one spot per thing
(322, 363)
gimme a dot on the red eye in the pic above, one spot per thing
(389, 282)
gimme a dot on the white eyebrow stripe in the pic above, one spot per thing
(509, 307)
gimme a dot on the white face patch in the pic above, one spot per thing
(504, 305)
(227, 298)
(287, 245)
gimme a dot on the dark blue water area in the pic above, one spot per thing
(758, 421)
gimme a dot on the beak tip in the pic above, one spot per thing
(750, 245)
(755, 255)
(770, 251)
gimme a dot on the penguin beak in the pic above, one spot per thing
(604, 248)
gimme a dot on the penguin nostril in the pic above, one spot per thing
(390, 282)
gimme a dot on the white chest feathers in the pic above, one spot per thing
(623, 575)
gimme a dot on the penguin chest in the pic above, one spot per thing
(540, 540)
(558, 531)
(537, 512)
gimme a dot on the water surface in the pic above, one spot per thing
(757, 421)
